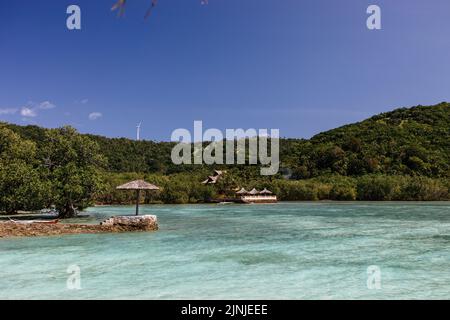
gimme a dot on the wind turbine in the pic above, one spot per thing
(138, 131)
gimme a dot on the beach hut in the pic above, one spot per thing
(242, 192)
(214, 178)
(137, 185)
(265, 192)
(255, 196)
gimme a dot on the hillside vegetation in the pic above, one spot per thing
(414, 141)
(399, 155)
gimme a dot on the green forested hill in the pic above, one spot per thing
(414, 141)
(398, 155)
(406, 141)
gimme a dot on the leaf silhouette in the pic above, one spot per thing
(120, 4)
(149, 11)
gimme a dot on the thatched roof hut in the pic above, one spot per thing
(242, 191)
(253, 191)
(213, 179)
(265, 191)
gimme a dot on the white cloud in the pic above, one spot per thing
(32, 109)
(7, 111)
(45, 105)
(95, 115)
(84, 101)
(28, 112)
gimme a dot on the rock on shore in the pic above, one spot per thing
(146, 222)
(114, 224)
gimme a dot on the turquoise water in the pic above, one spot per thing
(281, 251)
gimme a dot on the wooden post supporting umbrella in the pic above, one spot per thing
(137, 185)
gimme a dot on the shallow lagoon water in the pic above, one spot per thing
(314, 250)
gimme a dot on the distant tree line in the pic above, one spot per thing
(184, 188)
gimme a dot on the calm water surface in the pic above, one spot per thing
(281, 251)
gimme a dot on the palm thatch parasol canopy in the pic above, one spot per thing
(137, 185)
(253, 191)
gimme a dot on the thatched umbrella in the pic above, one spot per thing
(137, 185)
(253, 191)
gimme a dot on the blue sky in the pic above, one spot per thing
(302, 66)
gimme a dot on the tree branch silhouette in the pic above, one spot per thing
(120, 6)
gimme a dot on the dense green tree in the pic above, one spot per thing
(376, 188)
(73, 163)
(226, 185)
(20, 185)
